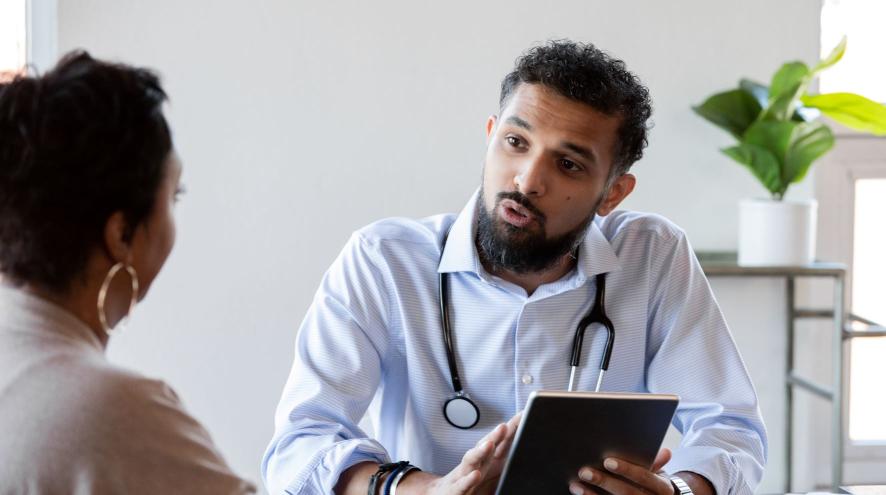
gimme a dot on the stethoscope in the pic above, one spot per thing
(460, 411)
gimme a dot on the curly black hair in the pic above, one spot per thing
(583, 73)
(77, 144)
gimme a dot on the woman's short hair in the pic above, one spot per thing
(77, 144)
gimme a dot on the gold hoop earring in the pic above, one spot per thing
(103, 294)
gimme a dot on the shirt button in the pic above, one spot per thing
(527, 379)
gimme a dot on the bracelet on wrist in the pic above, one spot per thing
(400, 474)
(382, 470)
(680, 486)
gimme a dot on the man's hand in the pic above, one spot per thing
(477, 473)
(480, 467)
(630, 478)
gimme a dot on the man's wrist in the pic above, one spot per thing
(680, 486)
(379, 482)
(416, 483)
(698, 483)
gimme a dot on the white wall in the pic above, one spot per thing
(300, 121)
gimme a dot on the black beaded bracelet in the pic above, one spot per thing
(384, 468)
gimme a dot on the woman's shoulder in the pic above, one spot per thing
(93, 402)
(125, 406)
(115, 384)
(114, 420)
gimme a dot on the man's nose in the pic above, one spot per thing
(532, 177)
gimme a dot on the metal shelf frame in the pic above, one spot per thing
(725, 265)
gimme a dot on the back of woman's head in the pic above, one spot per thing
(77, 144)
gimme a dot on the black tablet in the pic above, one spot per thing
(562, 431)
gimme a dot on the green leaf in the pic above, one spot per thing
(732, 111)
(761, 94)
(852, 110)
(787, 79)
(773, 136)
(795, 145)
(787, 85)
(834, 57)
(808, 143)
(761, 162)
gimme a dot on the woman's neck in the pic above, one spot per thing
(80, 303)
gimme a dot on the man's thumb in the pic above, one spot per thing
(664, 455)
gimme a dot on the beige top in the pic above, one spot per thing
(72, 423)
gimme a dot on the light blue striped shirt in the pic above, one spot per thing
(371, 344)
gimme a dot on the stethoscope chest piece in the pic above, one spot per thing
(461, 412)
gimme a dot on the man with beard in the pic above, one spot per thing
(521, 265)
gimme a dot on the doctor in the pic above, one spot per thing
(523, 263)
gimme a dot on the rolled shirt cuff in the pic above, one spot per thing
(717, 466)
(320, 475)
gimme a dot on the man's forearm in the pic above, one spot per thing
(355, 479)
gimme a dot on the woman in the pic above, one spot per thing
(88, 180)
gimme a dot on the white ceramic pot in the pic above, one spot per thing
(776, 233)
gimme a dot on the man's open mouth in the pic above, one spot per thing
(515, 214)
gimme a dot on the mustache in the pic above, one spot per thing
(523, 201)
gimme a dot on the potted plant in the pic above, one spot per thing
(778, 139)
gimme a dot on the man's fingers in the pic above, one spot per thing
(639, 475)
(606, 481)
(515, 421)
(496, 435)
(663, 457)
(505, 446)
(474, 458)
(576, 488)
(467, 482)
(512, 425)
(467, 475)
(495, 445)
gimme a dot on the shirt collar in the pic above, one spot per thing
(460, 251)
(595, 254)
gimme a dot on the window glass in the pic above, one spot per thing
(13, 38)
(867, 405)
(863, 68)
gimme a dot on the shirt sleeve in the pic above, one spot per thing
(338, 365)
(692, 354)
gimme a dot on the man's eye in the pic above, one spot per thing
(570, 165)
(513, 141)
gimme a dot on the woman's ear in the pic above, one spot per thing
(118, 238)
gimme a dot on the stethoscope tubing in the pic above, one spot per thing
(597, 314)
(443, 287)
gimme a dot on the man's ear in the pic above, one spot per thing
(490, 126)
(118, 238)
(621, 187)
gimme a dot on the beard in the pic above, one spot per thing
(503, 246)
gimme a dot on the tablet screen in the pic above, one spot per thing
(563, 431)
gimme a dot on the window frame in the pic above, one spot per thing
(41, 31)
(856, 156)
